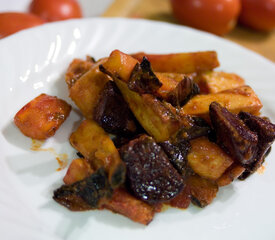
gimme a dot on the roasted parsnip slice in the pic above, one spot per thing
(235, 100)
(154, 116)
(96, 146)
(213, 82)
(181, 62)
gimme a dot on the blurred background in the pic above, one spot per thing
(250, 23)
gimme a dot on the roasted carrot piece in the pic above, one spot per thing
(235, 100)
(181, 62)
(86, 90)
(207, 159)
(213, 82)
(42, 116)
(96, 146)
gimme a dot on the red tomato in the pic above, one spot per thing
(215, 16)
(258, 14)
(11, 22)
(55, 10)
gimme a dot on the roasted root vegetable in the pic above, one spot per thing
(76, 69)
(86, 90)
(125, 204)
(151, 176)
(181, 62)
(214, 82)
(121, 201)
(89, 193)
(111, 103)
(207, 159)
(158, 120)
(182, 200)
(97, 147)
(232, 173)
(42, 116)
(233, 135)
(235, 100)
(79, 169)
(202, 191)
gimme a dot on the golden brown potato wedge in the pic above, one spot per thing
(213, 82)
(42, 116)
(232, 173)
(86, 90)
(155, 117)
(207, 159)
(203, 191)
(181, 62)
(235, 100)
(96, 146)
(76, 69)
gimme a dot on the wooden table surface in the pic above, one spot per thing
(262, 43)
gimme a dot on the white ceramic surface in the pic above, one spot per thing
(34, 61)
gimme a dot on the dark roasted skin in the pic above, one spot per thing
(177, 153)
(233, 135)
(86, 194)
(151, 176)
(143, 80)
(184, 91)
(112, 112)
(266, 135)
(198, 127)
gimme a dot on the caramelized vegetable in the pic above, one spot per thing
(266, 135)
(112, 112)
(143, 80)
(155, 117)
(125, 204)
(85, 92)
(181, 62)
(86, 194)
(76, 69)
(96, 146)
(42, 116)
(207, 159)
(232, 173)
(183, 92)
(151, 176)
(233, 135)
(182, 200)
(78, 170)
(235, 100)
(214, 82)
(177, 154)
(203, 191)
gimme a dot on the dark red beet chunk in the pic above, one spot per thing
(112, 112)
(151, 176)
(266, 135)
(233, 135)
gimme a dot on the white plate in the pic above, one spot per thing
(34, 61)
